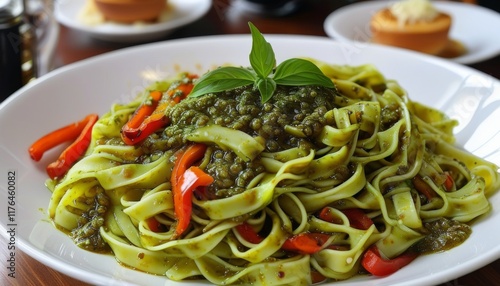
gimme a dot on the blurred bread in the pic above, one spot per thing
(128, 11)
(412, 24)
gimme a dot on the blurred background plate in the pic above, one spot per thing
(178, 14)
(473, 26)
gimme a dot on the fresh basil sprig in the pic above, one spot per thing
(292, 72)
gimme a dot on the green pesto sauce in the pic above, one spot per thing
(302, 108)
(443, 234)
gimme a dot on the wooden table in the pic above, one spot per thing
(223, 18)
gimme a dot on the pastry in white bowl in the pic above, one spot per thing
(129, 11)
(412, 24)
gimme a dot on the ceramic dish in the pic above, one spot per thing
(177, 14)
(470, 96)
(351, 24)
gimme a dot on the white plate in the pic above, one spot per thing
(182, 12)
(476, 27)
(62, 96)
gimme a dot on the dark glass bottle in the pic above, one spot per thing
(17, 48)
(270, 7)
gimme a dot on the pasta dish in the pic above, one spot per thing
(314, 180)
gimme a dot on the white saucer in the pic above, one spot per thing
(179, 13)
(476, 27)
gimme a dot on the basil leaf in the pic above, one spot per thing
(300, 72)
(262, 57)
(292, 72)
(221, 79)
(266, 87)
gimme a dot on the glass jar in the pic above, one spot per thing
(17, 48)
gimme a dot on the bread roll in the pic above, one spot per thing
(128, 11)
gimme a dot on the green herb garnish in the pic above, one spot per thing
(292, 72)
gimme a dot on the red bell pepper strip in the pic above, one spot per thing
(193, 178)
(422, 187)
(67, 133)
(357, 217)
(378, 266)
(317, 277)
(181, 91)
(131, 130)
(248, 233)
(74, 151)
(154, 225)
(143, 111)
(304, 243)
(449, 182)
(150, 116)
(327, 215)
(185, 158)
(185, 179)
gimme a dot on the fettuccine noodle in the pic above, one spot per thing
(372, 144)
